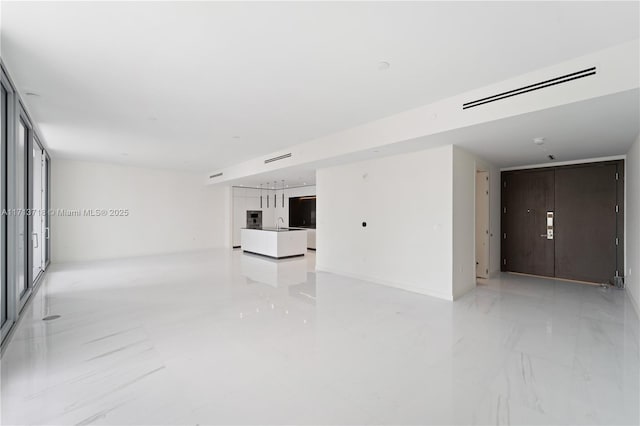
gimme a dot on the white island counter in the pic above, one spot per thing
(272, 242)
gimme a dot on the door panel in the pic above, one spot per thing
(587, 201)
(528, 196)
(586, 223)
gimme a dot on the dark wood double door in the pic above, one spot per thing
(564, 222)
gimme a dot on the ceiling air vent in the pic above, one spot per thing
(537, 86)
(216, 175)
(280, 157)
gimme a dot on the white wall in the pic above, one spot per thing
(407, 203)
(249, 199)
(420, 214)
(464, 222)
(169, 211)
(465, 166)
(632, 217)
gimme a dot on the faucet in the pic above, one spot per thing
(278, 222)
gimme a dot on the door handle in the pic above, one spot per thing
(549, 233)
(46, 232)
(37, 242)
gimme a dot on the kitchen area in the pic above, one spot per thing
(274, 220)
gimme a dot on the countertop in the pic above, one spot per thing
(276, 229)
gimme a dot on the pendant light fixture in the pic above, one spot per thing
(260, 195)
(283, 193)
(267, 195)
(274, 194)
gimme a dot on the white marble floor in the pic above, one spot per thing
(219, 337)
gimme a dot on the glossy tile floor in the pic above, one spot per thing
(219, 337)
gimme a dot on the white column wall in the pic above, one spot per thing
(465, 166)
(420, 214)
(632, 217)
(406, 201)
(464, 222)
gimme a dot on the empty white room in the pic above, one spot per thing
(320, 213)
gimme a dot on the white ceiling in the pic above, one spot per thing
(171, 84)
(292, 177)
(595, 128)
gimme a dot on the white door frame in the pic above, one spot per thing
(482, 224)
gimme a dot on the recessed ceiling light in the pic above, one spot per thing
(538, 141)
(383, 65)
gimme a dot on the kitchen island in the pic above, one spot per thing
(277, 243)
(311, 236)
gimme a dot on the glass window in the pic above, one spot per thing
(3, 205)
(37, 220)
(45, 199)
(21, 205)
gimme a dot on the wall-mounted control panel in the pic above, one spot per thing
(549, 225)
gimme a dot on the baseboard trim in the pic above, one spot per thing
(633, 302)
(394, 284)
(556, 279)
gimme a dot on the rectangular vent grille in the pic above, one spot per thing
(216, 175)
(280, 157)
(548, 83)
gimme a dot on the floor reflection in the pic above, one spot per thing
(219, 337)
(305, 291)
(274, 272)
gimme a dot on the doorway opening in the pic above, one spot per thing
(482, 224)
(40, 218)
